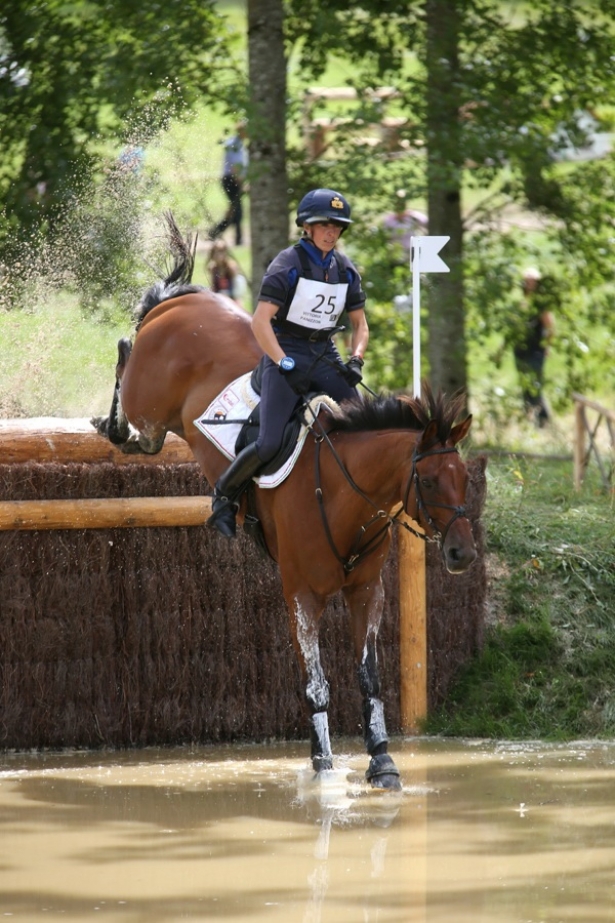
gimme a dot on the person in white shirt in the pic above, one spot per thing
(234, 173)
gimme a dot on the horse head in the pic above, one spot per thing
(437, 490)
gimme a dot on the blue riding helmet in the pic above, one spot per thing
(323, 205)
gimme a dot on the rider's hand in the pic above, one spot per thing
(298, 380)
(353, 373)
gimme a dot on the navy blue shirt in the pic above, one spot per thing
(280, 279)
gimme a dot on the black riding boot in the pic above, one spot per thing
(229, 488)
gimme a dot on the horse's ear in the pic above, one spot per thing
(430, 435)
(460, 431)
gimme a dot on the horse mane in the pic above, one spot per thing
(176, 279)
(366, 414)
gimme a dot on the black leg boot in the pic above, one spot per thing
(229, 489)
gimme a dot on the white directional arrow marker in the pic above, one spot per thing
(424, 258)
(428, 249)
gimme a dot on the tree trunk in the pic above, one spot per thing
(447, 347)
(269, 226)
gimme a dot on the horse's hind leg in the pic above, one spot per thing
(366, 602)
(305, 611)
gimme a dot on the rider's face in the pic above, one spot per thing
(325, 234)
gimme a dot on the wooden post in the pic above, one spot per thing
(112, 513)
(579, 444)
(412, 630)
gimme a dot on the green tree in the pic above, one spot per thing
(490, 95)
(73, 75)
(267, 129)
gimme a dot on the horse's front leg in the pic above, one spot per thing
(365, 602)
(305, 610)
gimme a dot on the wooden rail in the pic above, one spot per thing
(586, 440)
(51, 439)
(110, 513)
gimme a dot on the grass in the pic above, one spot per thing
(547, 669)
(57, 361)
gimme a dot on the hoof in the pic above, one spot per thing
(101, 425)
(322, 763)
(383, 773)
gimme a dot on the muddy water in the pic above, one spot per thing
(482, 833)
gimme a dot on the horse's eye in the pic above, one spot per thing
(427, 483)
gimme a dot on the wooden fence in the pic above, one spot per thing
(591, 421)
(317, 131)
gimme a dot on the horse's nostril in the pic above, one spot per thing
(459, 559)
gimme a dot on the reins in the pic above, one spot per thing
(358, 551)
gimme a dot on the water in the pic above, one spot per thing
(482, 832)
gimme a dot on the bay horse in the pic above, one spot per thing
(328, 525)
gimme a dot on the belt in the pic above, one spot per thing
(315, 336)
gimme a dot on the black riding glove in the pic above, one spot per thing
(298, 380)
(353, 373)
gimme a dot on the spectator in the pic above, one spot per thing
(534, 331)
(234, 173)
(403, 223)
(224, 272)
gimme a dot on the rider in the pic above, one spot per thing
(303, 293)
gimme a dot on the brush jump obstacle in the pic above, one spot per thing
(115, 636)
(176, 634)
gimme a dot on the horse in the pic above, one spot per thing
(328, 525)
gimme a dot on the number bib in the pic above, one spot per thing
(317, 305)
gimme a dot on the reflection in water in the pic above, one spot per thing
(481, 833)
(328, 800)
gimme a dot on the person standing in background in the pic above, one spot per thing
(533, 333)
(234, 172)
(403, 223)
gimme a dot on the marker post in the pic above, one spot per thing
(412, 576)
(424, 258)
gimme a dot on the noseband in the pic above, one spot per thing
(459, 512)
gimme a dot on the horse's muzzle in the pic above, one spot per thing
(459, 550)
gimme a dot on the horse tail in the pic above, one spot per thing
(183, 251)
(176, 279)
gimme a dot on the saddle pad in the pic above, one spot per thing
(236, 403)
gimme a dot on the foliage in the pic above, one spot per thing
(75, 75)
(80, 76)
(547, 668)
(518, 86)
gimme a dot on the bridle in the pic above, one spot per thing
(360, 550)
(459, 512)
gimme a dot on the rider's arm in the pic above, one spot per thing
(263, 331)
(360, 332)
